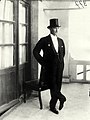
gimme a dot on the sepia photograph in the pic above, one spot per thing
(44, 60)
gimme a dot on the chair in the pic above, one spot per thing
(37, 86)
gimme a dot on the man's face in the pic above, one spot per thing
(54, 30)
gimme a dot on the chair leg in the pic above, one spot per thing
(24, 95)
(24, 92)
(40, 99)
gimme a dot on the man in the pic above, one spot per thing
(52, 63)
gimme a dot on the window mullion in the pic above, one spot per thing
(7, 21)
(3, 45)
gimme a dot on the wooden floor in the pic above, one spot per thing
(77, 106)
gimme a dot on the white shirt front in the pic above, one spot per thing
(55, 41)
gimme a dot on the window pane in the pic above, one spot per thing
(1, 29)
(6, 57)
(22, 34)
(22, 14)
(6, 10)
(8, 33)
(88, 72)
(79, 72)
(22, 54)
(9, 10)
(1, 9)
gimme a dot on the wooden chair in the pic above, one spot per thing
(37, 86)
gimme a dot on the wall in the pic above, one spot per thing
(79, 40)
(42, 11)
(79, 35)
(48, 10)
(67, 12)
(34, 38)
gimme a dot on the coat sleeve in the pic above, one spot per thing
(36, 52)
(63, 48)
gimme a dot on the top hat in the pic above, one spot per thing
(53, 23)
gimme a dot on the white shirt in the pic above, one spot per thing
(55, 41)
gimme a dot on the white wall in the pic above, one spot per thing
(62, 15)
(79, 33)
(75, 27)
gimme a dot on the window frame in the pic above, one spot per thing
(15, 22)
(12, 22)
(26, 24)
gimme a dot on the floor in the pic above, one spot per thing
(77, 106)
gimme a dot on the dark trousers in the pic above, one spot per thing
(55, 90)
(54, 98)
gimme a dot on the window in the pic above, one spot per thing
(23, 30)
(6, 34)
(88, 72)
(79, 72)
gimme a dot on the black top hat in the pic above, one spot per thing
(54, 23)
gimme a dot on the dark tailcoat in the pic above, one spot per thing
(52, 63)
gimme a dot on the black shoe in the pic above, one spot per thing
(54, 111)
(62, 100)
